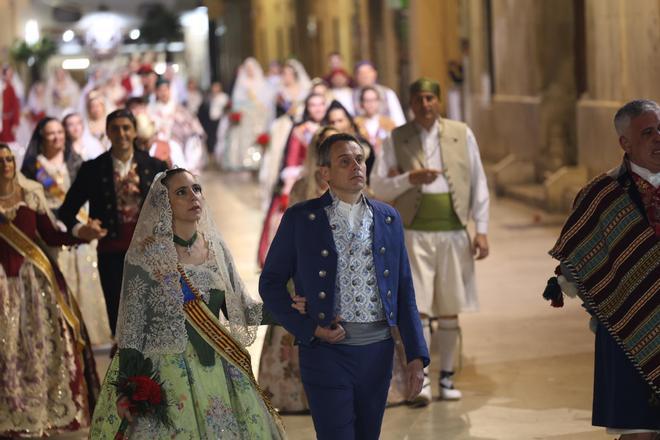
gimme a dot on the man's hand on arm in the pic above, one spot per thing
(423, 176)
(415, 377)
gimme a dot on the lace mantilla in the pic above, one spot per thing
(151, 317)
(33, 197)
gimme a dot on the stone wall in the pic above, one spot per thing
(521, 90)
(622, 63)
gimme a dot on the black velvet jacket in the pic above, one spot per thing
(95, 184)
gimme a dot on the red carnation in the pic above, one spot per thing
(263, 139)
(235, 117)
(141, 390)
(146, 389)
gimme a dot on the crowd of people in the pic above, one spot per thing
(106, 239)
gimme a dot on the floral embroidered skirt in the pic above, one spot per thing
(47, 385)
(206, 402)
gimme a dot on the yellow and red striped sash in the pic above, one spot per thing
(204, 321)
(29, 250)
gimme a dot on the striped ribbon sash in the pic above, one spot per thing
(204, 321)
(29, 250)
(614, 257)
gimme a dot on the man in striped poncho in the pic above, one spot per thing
(609, 254)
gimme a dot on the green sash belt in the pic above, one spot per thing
(436, 213)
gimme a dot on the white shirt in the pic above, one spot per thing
(393, 104)
(389, 188)
(652, 178)
(120, 167)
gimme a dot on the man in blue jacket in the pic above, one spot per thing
(347, 257)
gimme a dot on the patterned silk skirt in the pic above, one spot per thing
(206, 402)
(47, 384)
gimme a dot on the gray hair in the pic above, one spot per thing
(630, 111)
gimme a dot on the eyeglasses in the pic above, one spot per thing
(7, 159)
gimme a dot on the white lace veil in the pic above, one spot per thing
(303, 78)
(249, 84)
(151, 317)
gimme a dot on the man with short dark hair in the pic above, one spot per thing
(347, 257)
(609, 254)
(114, 184)
(431, 170)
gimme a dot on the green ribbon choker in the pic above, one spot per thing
(185, 243)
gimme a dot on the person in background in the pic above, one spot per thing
(56, 166)
(252, 111)
(340, 82)
(48, 380)
(115, 185)
(148, 80)
(431, 170)
(340, 119)
(373, 126)
(11, 106)
(96, 112)
(83, 143)
(293, 158)
(194, 97)
(366, 75)
(62, 94)
(211, 112)
(294, 88)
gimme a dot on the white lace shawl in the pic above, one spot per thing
(33, 197)
(151, 317)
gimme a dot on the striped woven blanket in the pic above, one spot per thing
(614, 257)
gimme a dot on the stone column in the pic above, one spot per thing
(434, 39)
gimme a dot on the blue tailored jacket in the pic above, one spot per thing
(304, 250)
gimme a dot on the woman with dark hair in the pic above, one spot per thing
(291, 168)
(51, 161)
(338, 116)
(48, 381)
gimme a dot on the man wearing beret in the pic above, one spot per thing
(431, 170)
(347, 257)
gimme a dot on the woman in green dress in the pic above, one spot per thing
(184, 307)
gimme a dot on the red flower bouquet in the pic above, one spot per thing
(263, 140)
(235, 117)
(141, 385)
